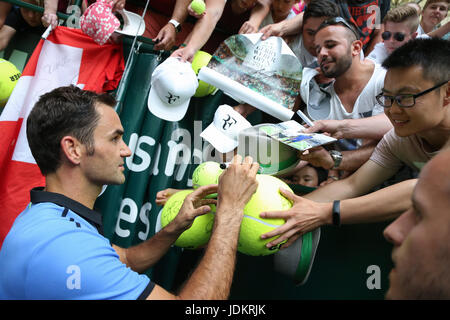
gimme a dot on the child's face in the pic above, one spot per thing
(306, 176)
(246, 4)
(435, 12)
(33, 18)
(281, 8)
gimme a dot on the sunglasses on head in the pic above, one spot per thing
(397, 36)
(337, 20)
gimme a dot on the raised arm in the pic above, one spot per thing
(283, 28)
(257, 15)
(165, 39)
(202, 30)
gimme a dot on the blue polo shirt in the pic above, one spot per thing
(55, 250)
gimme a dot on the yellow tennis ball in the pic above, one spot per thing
(201, 59)
(9, 75)
(266, 198)
(205, 174)
(200, 231)
(198, 6)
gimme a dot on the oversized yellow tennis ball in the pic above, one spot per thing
(201, 59)
(266, 198)
(198, 6)
(200, 231)
(9, 75)
(205, 174)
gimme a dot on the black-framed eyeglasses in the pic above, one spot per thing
(404, 100)
(337, 20)
(399, 36)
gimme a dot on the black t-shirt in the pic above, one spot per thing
(16, 21)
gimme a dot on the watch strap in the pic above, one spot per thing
(336, 213)
(176, 24)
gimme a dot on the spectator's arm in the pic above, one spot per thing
(49, 17)
(359, 183)
(258, 13)
(6, 34)
(374, 127)
(307, 215)
(166, 37)
(441, 31)
(5, 7)
(283, 28)
(351, 160)
(395, 199)
(202, 30)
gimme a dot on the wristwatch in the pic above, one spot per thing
(337, 158)
(336, 213)
(176, 24)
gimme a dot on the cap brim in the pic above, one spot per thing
(297, 260)
(219, 141)
(163, 111)
(135, 26)
(280, 169)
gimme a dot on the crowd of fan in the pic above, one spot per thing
(378, 82)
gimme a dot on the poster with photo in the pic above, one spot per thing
(292, 133)
(268, 68)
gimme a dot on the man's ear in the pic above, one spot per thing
(357, 47)
(72, 149)
(447, 94)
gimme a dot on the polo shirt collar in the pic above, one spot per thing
(38, 195)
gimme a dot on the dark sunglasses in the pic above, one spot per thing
(337, 20)
(397, 36)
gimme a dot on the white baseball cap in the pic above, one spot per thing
(223, 132)
(173, 84)
(133, 24)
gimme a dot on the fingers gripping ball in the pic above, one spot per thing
(200, 231)
(9, 75)
(201, 59)
(205, 174)
(198, 6)
(266, 198)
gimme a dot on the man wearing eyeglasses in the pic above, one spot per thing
(400, 26)
(416, 99)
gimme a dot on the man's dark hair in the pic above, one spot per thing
(58, 113)
(432, 55)
(351, 31)
(320, 9)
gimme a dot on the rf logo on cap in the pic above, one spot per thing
(222, 133)
(228, 121)
(173, 84)
(171, 98)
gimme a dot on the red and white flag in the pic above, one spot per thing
(66, 57)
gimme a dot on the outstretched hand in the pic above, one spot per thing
(164, 195)
(304, 216)
(194, 205)
(274, 29)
